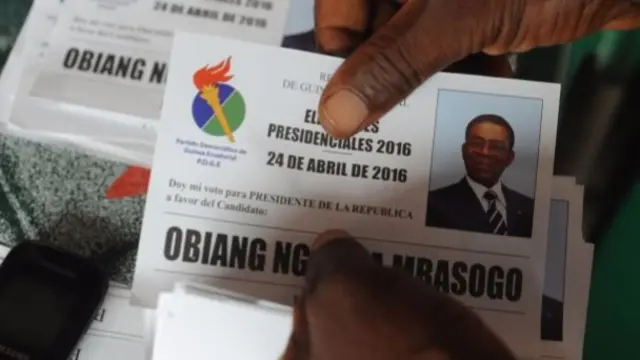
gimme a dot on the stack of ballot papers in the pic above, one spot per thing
(91, 74)
(203, 322)
(220, 99)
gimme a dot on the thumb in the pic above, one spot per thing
(422, 38)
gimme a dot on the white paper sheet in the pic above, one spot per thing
(116, 332)
(80, 109)
(112, 55)
(30, 46)
(211, 195)
(105, 347)
(571, 270)
(199, 325)
(29, 39)
(149, 331)
(36, 118)
(570, 313)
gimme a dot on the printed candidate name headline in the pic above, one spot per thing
(276, 255)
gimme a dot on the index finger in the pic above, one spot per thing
(419, 40)
(353, 308)
(350, 310)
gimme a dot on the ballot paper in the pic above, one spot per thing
(149, 332)
(47, 121)
(10, 74)
(99, 85)
(113, 55)
(238, 193)
(29, 47)
(566, 285)
(116, 331)
(567, 276)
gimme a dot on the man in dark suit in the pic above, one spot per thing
(305, 41)
(480, 202)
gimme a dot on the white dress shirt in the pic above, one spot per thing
(480, 190)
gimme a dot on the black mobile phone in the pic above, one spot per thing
(48, 298)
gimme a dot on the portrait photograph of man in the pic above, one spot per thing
(485, 182)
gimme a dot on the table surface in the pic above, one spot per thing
(47, 192)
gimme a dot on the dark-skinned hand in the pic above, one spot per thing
(351, 308)
(394, 46)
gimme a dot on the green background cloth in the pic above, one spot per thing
(51, 193)
(613, 322)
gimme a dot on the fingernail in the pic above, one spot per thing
(343, 113)
(328, 236)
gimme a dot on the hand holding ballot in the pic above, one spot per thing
(458, 240)
(423, 37)
(353, 308)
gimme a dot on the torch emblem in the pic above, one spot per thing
(218, 109)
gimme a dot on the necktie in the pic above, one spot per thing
(496, 220)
